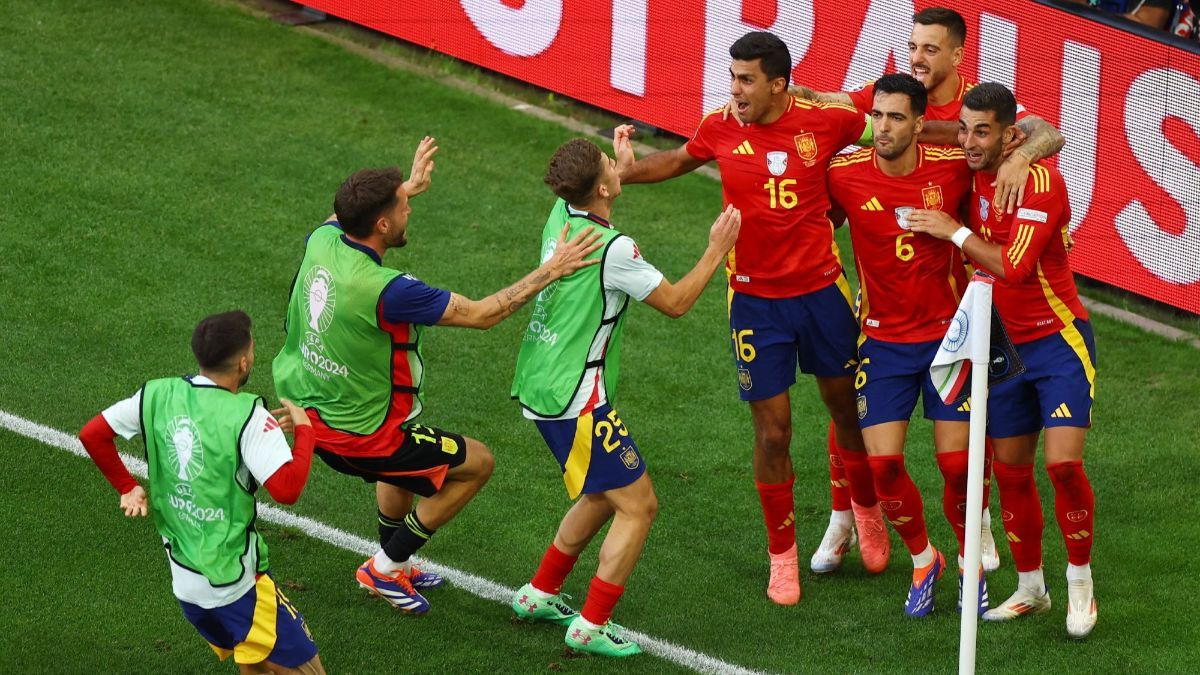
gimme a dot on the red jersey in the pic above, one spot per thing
(910, 283)
(864, 99)
(1037, 297)
(775, 174)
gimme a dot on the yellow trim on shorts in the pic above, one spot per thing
(1069, 332)
(575, 469)
(260, 641)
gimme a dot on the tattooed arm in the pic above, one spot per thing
(483, 314)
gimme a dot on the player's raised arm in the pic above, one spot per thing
(660, 166)
(483, 314)
(676, 299)
(1042, 140)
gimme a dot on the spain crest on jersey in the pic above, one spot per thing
(932, 196)
(806, 146)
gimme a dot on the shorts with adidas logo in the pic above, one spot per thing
(595, 451)
(770, 337)
(889, 377)
(1056, 389)
(262, 625)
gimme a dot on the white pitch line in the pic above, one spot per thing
(476, 585)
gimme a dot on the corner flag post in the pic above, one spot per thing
(980, 316)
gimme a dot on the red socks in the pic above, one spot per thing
(900, 500)
(953, 466)
(1021, 510)
(858, 471)
(1074, 506)
(602, 597)
(778, 506)
(554, 569)
(839, 485)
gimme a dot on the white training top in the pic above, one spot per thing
(264, 449)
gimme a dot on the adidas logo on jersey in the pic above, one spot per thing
(872, 205)
(1061, 412)
(743, 149)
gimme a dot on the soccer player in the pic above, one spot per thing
(566, 377)
(352, 359)
(935, 51)
(1036, 298)
(208, 447)
(910, 286)
(790, 301)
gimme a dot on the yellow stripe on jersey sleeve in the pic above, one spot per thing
(856, 157)
(1020, 244)
(834, 106)
(1041, 178)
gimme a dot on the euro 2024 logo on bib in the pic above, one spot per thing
(187, 452)
(322, 296)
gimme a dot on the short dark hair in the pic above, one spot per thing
(994, 97)
(365, 195)
(574, 170)
(941, 16)
(899, 83)
(776, 59)
(219, 337)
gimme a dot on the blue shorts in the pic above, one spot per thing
(889, 376)
(262, 625)
(1056, 389)
(771, 336)
(594, 451)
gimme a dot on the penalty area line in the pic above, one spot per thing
(475, 585)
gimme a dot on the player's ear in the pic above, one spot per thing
(778, 85)
(957, 56)
(919, 126)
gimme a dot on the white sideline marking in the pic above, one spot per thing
(476, 585)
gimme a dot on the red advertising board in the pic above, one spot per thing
(1129, 106)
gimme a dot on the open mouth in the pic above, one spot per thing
(974, 157)
(742, 106)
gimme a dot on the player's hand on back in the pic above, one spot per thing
(623, 146)
(134, 503)
(290, 416)
(571, 255)
(420, 176)
(725, 228)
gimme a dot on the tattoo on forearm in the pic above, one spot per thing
(458, 304)
(1041, 139)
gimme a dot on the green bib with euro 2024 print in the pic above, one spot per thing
(201, 493)
(336, 357)
(567, 317)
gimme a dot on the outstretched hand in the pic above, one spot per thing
(290, 416)
(725, 228)
(571, 255)
(623, 146)
(937, 224)
(134, 503)
(420, 176)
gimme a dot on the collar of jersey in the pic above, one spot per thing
(571, 210)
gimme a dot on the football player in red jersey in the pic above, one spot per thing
(1036, 298)
(910, 286)
(790, 302)
(935, 51)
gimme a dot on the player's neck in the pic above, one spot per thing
(224, 380)
(779, 105)
(375, 243)
(945, 92)
(903, 165)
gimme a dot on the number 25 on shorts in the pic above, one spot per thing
(606, 427)
(742, 347)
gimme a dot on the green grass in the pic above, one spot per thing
(164, 160)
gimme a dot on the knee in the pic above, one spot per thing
(483, 462)
(774, 439)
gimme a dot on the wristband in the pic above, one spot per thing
(960, 236)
